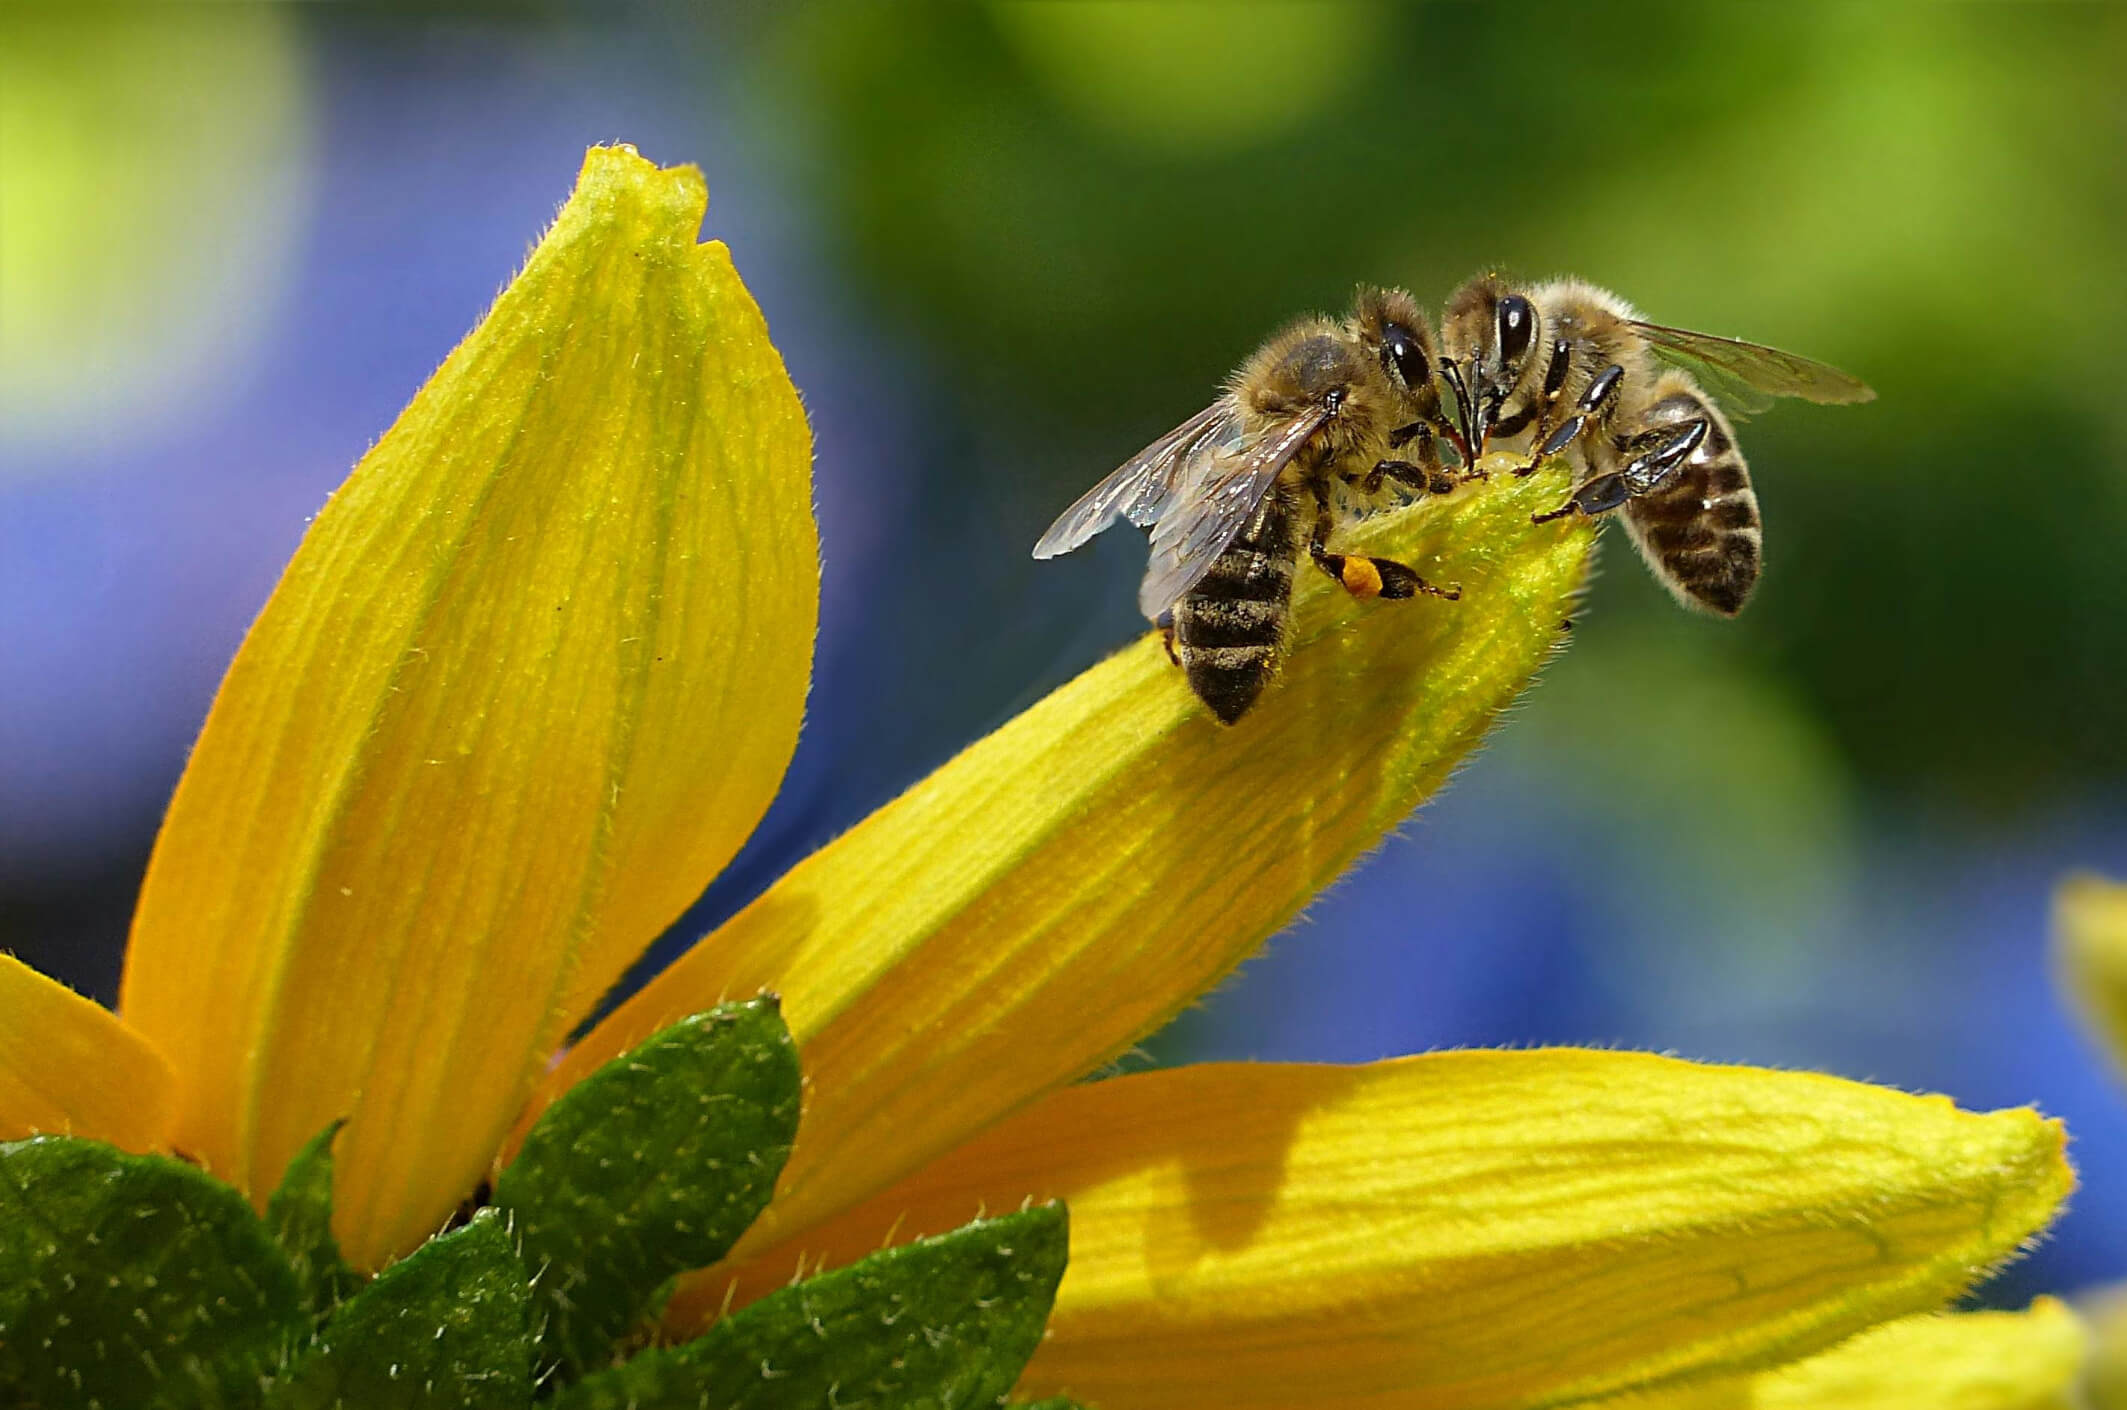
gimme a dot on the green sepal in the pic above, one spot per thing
(448, 1327)
(134, 1280)
(938, 1324)
(652, 1165)
(299, 1216)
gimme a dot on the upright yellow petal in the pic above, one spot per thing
(2090, 950)
(1468, 1231)
(1068, 884)
(528, 683)
(69, 1067)
(1968, 1361)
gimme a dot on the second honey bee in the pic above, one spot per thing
(1331, 419)
(1327, 419)
(1571, 369)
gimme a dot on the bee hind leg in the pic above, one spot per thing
(1661, 452)
(1364, 576)
(1399, 580)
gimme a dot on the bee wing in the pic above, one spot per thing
(1768, 372)
(1145, 484)
(1214, 506)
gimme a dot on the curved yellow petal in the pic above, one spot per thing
(529, 681)
(1069, 883)
(2104, 1312)
(1476, 1229)
(1963, 1361)
(69, 1067)
(2090, 956)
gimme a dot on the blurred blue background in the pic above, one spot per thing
(1003, 247)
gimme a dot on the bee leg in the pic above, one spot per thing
(1424, 472)
(1648, 471)
(1554, 383)
(1590, 497)
(1599, 397)
(1166, 629)
(1356, 576)
(1399, 580)
(1363, 576)
(1663, 452)
(1426, 479)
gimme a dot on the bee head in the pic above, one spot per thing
(1486, 334)
(1392, 328)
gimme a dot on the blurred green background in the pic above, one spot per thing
(1003, 246)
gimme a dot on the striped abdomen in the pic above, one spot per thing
(1699, 531)
(1229, 629)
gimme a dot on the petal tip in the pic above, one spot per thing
(620, 176)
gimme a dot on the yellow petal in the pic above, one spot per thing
(2090, 953)
(2104, 1312)
(69, 1067)
(1068, 884)
(1478, 1229)
(1970, 1361)
(528, 683)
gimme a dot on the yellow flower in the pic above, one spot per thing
(1977, 1361)
(2090, 966)
(535, 673)
(2090, 957)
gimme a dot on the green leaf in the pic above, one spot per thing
(940, 1324)
(1055, 1402)
(299, 1216)
(652, 1165)
(134, 1280)
(448, 1328)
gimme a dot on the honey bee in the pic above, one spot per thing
(1325, 421)
(1572, 368)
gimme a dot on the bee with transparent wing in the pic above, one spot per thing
(1573, 370)
(1325, 420)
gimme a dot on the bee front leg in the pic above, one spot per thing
(1594, 403)
(1425, 479)
(1423, 471)
(1363, 576)
(1555, 372)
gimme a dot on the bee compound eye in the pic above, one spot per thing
(1400, 350)
(1517, 324)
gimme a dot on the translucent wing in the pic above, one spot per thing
(1210, 510)
(1764, 370)
(1736, 396)
(1144, 485)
